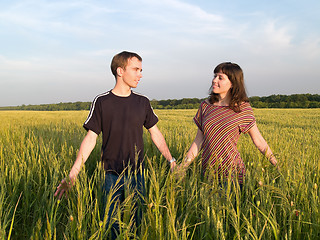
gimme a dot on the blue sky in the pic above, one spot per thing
(60, 51)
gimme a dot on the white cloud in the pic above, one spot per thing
(278, 36)
(58, 17)
(181, 17)
(193, 10)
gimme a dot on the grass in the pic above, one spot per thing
(37, 149)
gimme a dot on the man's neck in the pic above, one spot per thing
(121, 91)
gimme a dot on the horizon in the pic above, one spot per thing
(72, 102)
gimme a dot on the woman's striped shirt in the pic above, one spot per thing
(221, 127)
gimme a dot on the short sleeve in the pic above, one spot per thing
(93, 121)
(198, 117)
(247, 118)
(151, 117)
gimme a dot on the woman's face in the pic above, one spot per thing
(221, 84)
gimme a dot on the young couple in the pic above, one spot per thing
(121, 114)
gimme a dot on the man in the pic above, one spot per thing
(120, 115)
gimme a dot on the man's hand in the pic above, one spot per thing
(86, 147)
(63, 188)
(173, 165)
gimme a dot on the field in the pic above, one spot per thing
(37, 150)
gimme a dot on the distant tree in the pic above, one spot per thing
(272, 101)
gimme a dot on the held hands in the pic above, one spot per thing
(180, 170)
(177, 170)
(63, 188)
(173, 166)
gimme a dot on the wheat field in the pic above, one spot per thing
(37, 150)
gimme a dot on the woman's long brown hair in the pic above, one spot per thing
(238, 91)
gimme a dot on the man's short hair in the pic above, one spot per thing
(121, 60)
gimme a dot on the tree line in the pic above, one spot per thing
(272, 101)
(287, 101)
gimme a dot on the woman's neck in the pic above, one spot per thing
(223, 100)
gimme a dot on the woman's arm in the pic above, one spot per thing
(261, 144)
(194, 149)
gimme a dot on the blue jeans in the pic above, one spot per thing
(116, 185)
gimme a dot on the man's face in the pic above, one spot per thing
(132, 74)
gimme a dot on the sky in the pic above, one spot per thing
(54, 51)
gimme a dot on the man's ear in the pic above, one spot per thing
(119, 71)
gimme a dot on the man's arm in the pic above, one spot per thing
(161, 144)
(86, 147)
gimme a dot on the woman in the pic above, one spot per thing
(220, 120)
